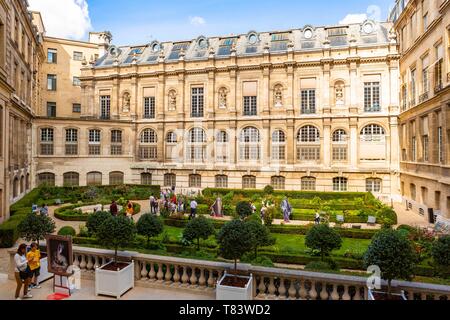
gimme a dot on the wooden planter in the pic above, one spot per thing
(114, 283)
(227, 293)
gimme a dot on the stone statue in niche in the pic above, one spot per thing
(278, 96)
(339, 93)
(172, 100)
(126, 102)
(223, 95)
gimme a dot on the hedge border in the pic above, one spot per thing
(59, 213)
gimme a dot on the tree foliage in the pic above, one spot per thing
(95, 220)
(324, 239)
(244, 209)
(441, 252)
(261, 236)
(149, 226)
(198, 228)
(36, 227)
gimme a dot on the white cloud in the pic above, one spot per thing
(64, 18)
(197, 21)
(354, 18)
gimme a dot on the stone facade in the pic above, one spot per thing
(423, 33)
(21, 55)
(305, 109)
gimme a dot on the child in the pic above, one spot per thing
(34, 263)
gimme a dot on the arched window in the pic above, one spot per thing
(195, 181)
(373, 185)
(71, 179)
(222, 142)
(340, 136)
(47, 137)
(116, 178)
(71, 142)
(308, 144)
(95, 142)
(249, 182)
(146, 179)
(278, 182)
(373, 133)
(116, 142)
(221, 181)
(340, 184)
(148, 149)
(171, 137)
(47, 179)
(340, 145)
(308, 184)
(250, 147)
(278, 145)
(196, 148)
(170, 180)
(222, 137)
(94, 179)
(27, 181)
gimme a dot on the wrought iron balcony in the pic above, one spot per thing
(423, 97)
(438, 87)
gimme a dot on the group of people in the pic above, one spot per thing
(27, 270)
(42, 210)
(129, 210)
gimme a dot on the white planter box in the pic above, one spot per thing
(45, 275)
(225, 293)
(114, 283)
(372, 297)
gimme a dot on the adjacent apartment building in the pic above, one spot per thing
(423, 28)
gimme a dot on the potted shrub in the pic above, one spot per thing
(394, 254)
(197, 229)
(234, 241)
(35, 228)
(115, 278)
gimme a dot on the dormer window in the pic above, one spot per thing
(156, 47)
(202, 43)
(308, 33)
(135, 53)
(176, 50)
(368, 27)
(252, 38)
(225, 46)
(280, 41)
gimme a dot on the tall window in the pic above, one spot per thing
(197, 103)
(308, 101)
(76, 108)
(76, 81)
(51, 109)
(222, 142)
(340, 145)
(196, 148)
(413, 192)
(149, 108)
(221, 181)
(71, 179)
(413, 149)
(249, 182)
(51, 82)
(94, 179)
(105, 107)
(278, 145)
(146, 179)
(71, 142)
(425, 78)
(195, 181)
(52, 55)
(308, 184)
(171, 148)
(413, 88)
(78, 56)
(425, 148)
(308, 144)
(340, 184)
(372, 97)
(47, 137)
(116, 178)
(373, 185)
(250, 106)
(148, 149)
(47, 179)
(94, 142)
(373, 133)
(170, 180)
(116, 142)
(250, 148)
(440, 145)
(278, 183)
(438, 68)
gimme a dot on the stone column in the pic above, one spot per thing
(265, 143)
(160, 100)
(183, 102)
(115, 99)
(265, 89)
(211, 90)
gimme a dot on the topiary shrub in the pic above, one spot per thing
(440, 252)
(149, 226)
(261, 236)
(67, 231)
(318, 266)
(269, 216)
(95, 220)
(323, 239)
(36, 227)
(197, 229)
(269, 190)
(244, 209)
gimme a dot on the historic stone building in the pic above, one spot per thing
(423, 29)
(314, 108)
(21, 55)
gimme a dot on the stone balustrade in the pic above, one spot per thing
(269, 283)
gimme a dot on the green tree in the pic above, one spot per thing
(441, 252)
(394, 254)
(324, 239)
(116, 232)
(36, 227)
(198, 228)
(234, 241)
(149, 226)
(95, 220)
(268, 190)
(244, 209)
(261, 236)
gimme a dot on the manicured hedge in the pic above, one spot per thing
(8, 231)
(68, 213)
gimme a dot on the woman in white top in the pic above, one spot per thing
(22, 273)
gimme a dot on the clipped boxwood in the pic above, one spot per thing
(67, 231)
(68, 213)
(9, 233)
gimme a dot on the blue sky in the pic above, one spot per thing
(140, 21)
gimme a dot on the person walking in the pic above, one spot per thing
(44, 210)
(152, 205)
(317, 218)
(22, 272)
(130, 210)
(114, 209)
(194, 206)
(287, 210)
(34, 264)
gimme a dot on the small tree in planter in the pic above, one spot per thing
(394, 254)
(149, 226)
(261, 235)
(198, 228)
(95, 220)
(440, 252)
(36, 227)
(324, 239)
